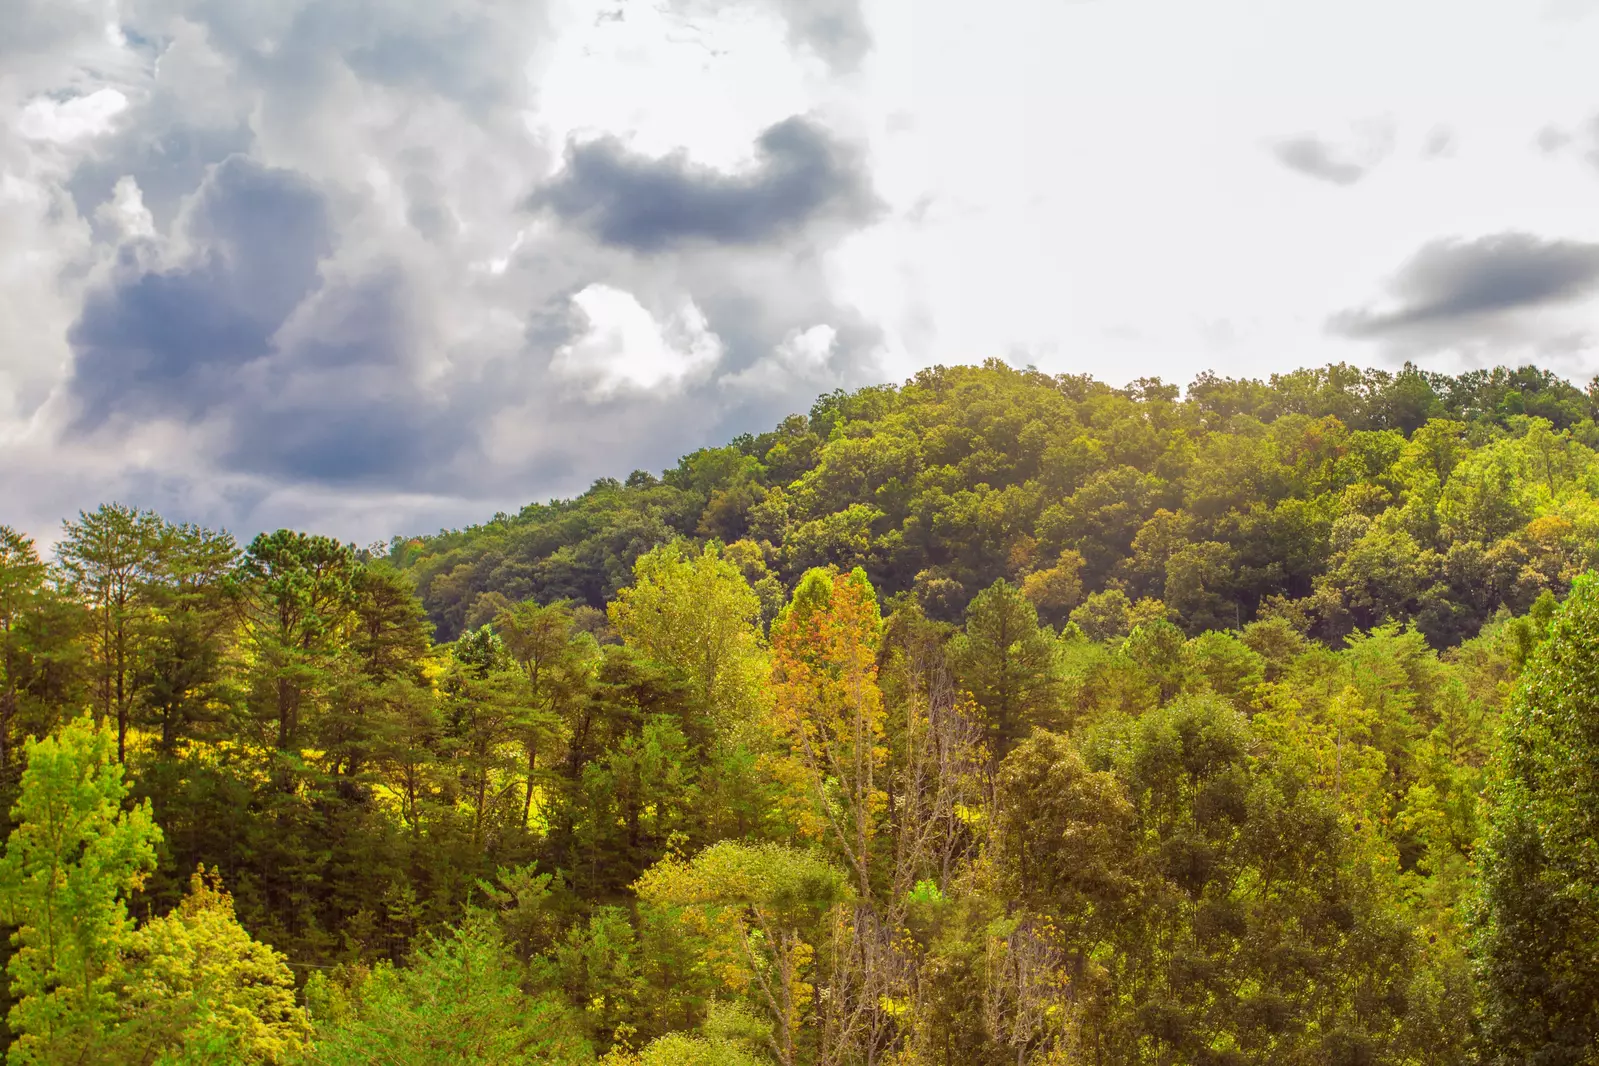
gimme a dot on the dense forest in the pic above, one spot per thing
(994, 718)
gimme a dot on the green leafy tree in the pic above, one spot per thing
(697, 611)
(1538, 919)
(731, 1036)
(758, 910)
(39, 651)
(1008, 665)
(539, 639)
(199, 989)
(70, 865)
(182, 681)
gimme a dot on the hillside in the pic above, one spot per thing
(995, 718)
(1338, 498)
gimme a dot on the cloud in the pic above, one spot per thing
(283, 270)
(1551, 139)
(1454, 283)
(1316, 159)
(1336, 162)
(835, 30)
(622, 346)
(625, 200)
(159, 340)
(1440, 143)
(44, 119)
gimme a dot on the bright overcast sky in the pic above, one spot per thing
(372, 266)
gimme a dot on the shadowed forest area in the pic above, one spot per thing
(993, 718)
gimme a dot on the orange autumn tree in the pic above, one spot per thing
(829, 709)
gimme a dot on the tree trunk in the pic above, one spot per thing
(527, 804)
(122, 699)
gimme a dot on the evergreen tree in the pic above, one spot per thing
(460, 1001)
(107, 557)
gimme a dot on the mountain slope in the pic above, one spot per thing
(1336, 497)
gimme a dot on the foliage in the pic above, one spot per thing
(992, 718)
(1538, 920)
(70, 866)
(460, 1000)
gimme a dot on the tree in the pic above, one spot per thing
(200, 989)
(697, 611)
(390, 634)
(460, 1001)
(1064, 832)
(1057, 589)
(301, 590)
(830, 709)
(759, 908)
(1537, 920)
(1104, 615)
(70, 865)
(539, 640)
(38, 648)
(22, 575)
(1008, 665)
(181, 680)
(107, 557)
(483, 711)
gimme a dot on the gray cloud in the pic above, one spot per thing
(1452, 282)
(1315, 158)
(1551, 139)
(41, 31)
(168, 164)
(835, 30)
(1342, 160)
(1440, 143)
(632, 201)
(336, 313)
(159, 341)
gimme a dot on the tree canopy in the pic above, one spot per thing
(994, 718)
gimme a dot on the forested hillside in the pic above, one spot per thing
(996, 718)
(1338, 498)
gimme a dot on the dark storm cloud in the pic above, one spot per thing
(1315, 158)
(160, 341)
(332, 402)
(339, 402)
(344, 408)
(1456, 281)
(631, 201)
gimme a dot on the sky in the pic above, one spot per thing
(371, 267)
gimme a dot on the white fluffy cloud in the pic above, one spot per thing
(622, 346)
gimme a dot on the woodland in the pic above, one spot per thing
(995, 717)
